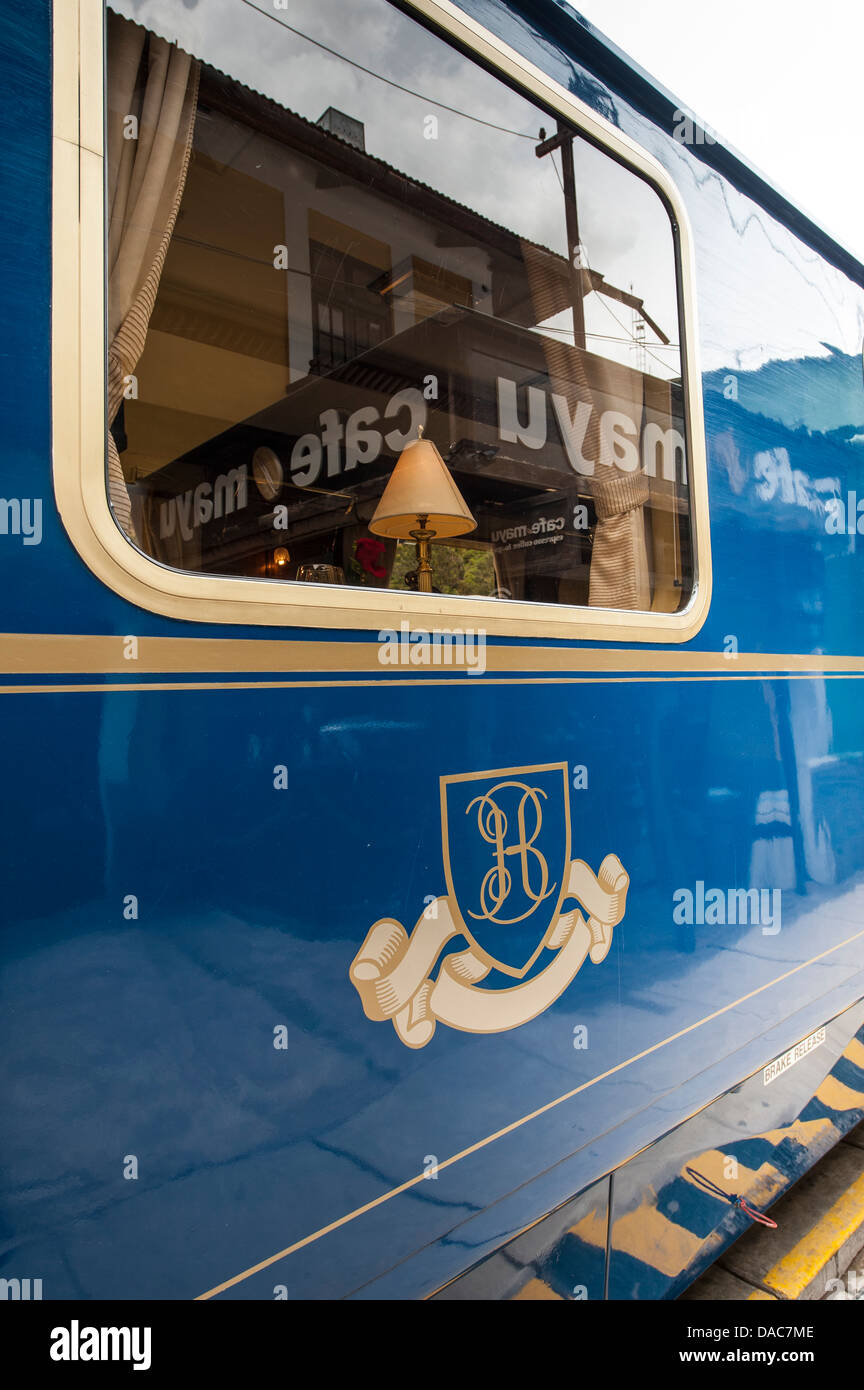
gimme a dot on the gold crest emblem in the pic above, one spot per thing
(505, 838)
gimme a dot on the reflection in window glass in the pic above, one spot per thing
(310, 267)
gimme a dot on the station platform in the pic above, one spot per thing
(817, 1250)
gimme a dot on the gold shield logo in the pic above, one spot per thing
(505, 837)
(505, 842)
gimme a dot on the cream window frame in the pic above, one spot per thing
(79, 370)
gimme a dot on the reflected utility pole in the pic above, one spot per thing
(563, 141)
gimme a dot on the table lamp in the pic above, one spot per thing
(421, 501)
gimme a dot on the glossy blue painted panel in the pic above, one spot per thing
(25, 238)
(565, 1256)
(154, 1036)
(252, 903)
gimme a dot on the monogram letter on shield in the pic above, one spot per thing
(506, 841)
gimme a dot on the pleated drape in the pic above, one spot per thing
(152, 85)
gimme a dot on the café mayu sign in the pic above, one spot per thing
(340, 445)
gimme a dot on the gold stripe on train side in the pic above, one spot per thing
(154, 686)
(85, 654)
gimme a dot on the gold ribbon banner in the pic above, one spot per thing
(392, 970)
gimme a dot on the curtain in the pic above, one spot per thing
(662, 408)
(619, 575)
(155, 84)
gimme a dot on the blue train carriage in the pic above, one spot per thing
(420, 876)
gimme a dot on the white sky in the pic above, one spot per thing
(781, 80)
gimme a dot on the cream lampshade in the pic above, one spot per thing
(421, 501)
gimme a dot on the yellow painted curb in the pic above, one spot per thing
(791, 1275)
(536, 1289)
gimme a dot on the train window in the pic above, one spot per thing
(376, 319)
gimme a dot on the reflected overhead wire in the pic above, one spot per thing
(370, 72)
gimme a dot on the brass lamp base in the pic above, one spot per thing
(424, 568)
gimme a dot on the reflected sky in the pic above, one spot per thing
(483, 154)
